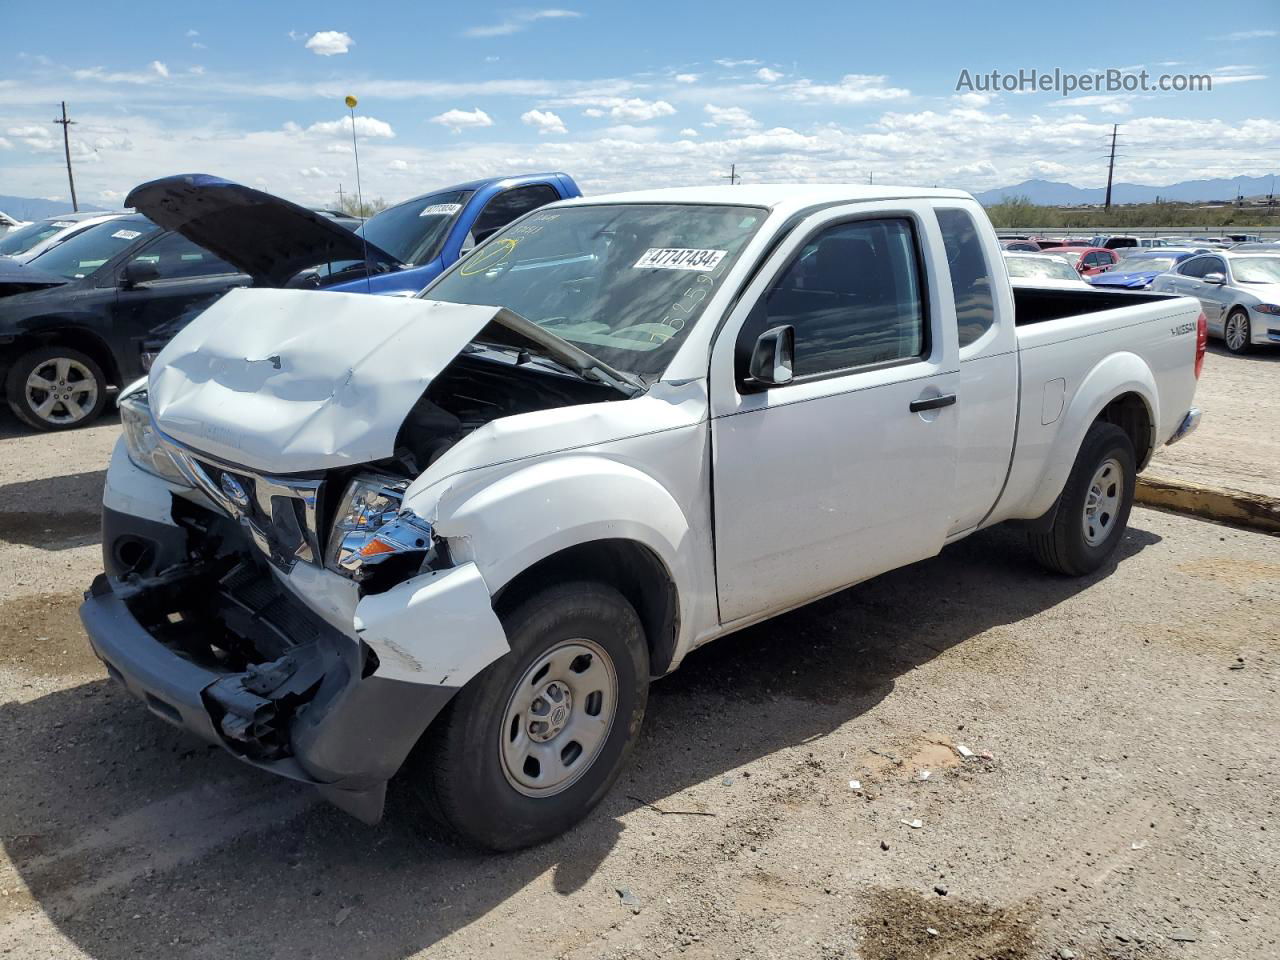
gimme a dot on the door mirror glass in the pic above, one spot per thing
(773, 357)
(1215, 277)
(140, 271)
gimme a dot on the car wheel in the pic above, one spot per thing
(535, 740)
(1093, 510)
(1236, 332)
(56, 388)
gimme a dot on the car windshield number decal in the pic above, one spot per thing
(679, 258)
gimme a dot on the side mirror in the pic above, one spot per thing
(773, 357)
(140, 271)
(1215, 278)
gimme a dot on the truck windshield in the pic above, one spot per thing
(623, 281)
(83, 254)
(1040, 268)
(413, 231)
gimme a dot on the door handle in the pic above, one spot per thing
(933, 403)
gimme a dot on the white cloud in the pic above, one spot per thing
(688, 132)
(622, 109)
(193, 33)
(159, 68)
(1252, 34)
(329, 43)
(397, 165)
(767, 75)
(313, 173)
(737, 63)
(1238, 78)
(544, 121)
(686, 78)
(853, 88)
(456, 119)
(6, 144)
(973, 99)
(24, 132)
(734, 118)
(198, 46)
(518, 22)
(365, 127)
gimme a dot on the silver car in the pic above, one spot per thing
(1239, 293)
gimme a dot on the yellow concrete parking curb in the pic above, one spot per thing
(1213, 503)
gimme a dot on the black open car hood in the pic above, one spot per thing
(18, 277)
(266, 237)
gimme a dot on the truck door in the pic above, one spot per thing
(846, 471)
(983, 316)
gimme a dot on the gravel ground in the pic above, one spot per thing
(1238, 443)
(1121, 803)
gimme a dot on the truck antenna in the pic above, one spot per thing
(351, 105)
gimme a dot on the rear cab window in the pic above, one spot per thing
(970, 273)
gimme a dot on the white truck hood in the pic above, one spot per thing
(291, 381)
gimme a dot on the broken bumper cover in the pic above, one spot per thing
(348, 738)
(1186, 427)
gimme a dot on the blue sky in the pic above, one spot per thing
(620, 96)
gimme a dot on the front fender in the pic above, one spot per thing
(507, 526)
(1117, 375)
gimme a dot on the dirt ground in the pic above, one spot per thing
(1122, 800)
(1238, 443)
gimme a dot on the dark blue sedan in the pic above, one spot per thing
(1139, 268)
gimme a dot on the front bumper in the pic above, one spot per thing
(313, 715)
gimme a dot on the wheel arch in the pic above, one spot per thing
(59, 333)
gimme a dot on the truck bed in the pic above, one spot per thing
(1036, 304)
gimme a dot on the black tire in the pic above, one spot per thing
(1241, 316)
(85, 388)
(1065, 547)
(459, 772)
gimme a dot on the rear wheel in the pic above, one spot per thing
(1093, 510)
(535, 741)
(1236, 332)
(56, 388)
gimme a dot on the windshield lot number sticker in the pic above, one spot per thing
(440, 209)
(680, 258)
(126, 235)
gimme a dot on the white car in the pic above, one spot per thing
(1239, 293)
(1043, 270)
(479, 522)
(28, 242)
(8, 223)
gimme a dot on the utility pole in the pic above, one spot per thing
(871, 178)
(340, 206)
(732, 175)
(1111, 167)
(66, 146)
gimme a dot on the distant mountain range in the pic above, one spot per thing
(1051, 193)
(34, 208)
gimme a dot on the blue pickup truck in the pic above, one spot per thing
(398, 251)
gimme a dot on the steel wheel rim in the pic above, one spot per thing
(558, 718)
(61, 390)
(1102, 501)
(1235, 331)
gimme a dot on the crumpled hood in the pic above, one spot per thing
(263, 235)
(17, 277)
(293, 381)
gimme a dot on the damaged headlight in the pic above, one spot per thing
(142, 440)
(370, 531)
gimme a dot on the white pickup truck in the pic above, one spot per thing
(460, 533)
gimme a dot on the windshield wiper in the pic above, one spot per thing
(571, 355)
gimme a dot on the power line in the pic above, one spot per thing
(66, 146)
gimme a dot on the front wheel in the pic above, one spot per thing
(536, 740)
(1093, 510)
(56, 388)
(1236, 332)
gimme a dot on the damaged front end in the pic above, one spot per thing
(224, 623)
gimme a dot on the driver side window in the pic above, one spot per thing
(507, 206)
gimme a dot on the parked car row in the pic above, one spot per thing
(87, 300)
